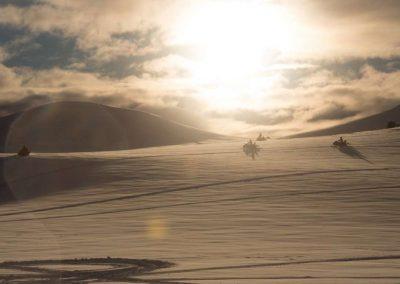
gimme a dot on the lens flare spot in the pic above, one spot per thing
(157, 229)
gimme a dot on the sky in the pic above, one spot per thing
(227, 66)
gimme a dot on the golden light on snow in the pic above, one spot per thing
(156, 228)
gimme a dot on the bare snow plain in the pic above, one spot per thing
(301, 212)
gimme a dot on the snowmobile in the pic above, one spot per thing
(340, 143)
(261, 138)
(251, 149)
(24, 152)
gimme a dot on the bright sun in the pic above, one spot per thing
(232, 41)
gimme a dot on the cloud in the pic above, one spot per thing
(373, 10)
(117, 58)
(92, 22)
(352, 68)
(342, 100)
(3, 54)
(100, 25)
(8, 78)
(172, 66)
(337, 71)
(122, 52)
(267, 117)
(9, 107)
(112, 39)
(35, 99)
(19, 3)
(335, 111)
(43, 51)
(320, 97)
(346, 28)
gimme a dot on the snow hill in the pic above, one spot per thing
(83, 126)
(374, 122)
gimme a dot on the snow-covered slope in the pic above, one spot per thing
(302, 212)
(373, 122)
(84, 126)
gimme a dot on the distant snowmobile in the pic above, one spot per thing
(340, 142)
(261, 137)
(251, 149)
(24, 152)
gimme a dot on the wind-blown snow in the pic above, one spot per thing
(302, 212)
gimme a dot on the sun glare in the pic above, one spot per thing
(233, 41)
